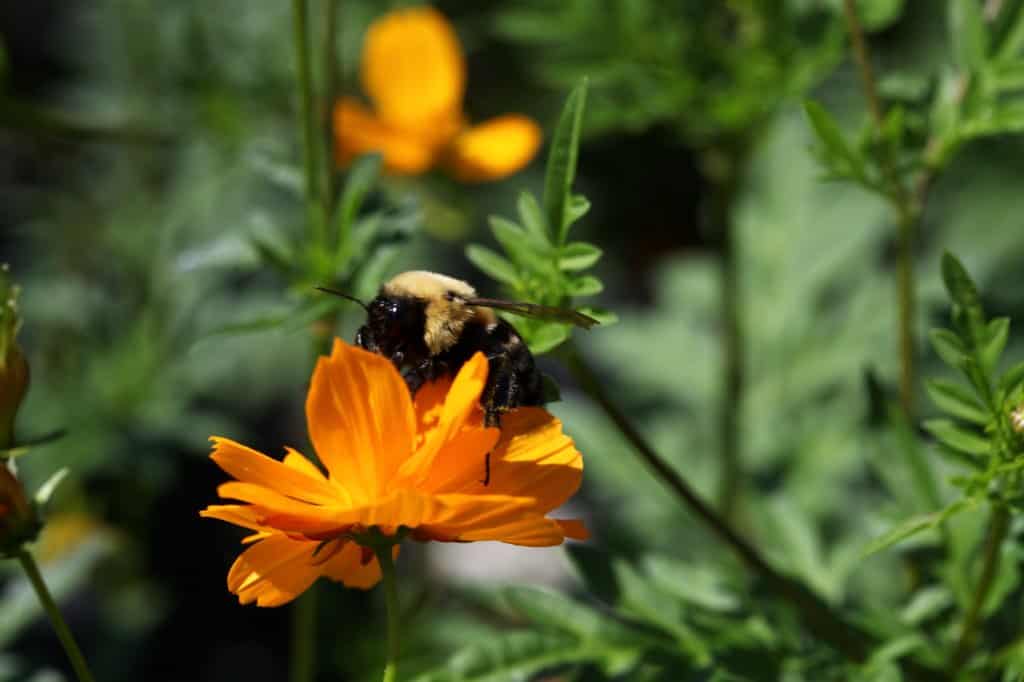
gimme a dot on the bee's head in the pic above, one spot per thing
(426, 306)
(395, 318)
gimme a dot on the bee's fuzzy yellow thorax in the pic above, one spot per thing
(446, 310)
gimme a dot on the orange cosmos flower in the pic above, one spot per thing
(414, 74)
(394, 465)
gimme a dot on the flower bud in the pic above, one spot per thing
(1017, 419)
(14, 373)
(18, 521)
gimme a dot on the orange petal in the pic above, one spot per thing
(239, 514)
(357, 132)
(534, 458)
(361, 419)
(273, 571)
(347, 567)
(413, 70)
(532, 530)
(461, 405)
(494, 149)
(250, 466)
(573, 528)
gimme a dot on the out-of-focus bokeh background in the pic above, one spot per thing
(149, 152)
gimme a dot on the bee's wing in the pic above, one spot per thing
(541, 312)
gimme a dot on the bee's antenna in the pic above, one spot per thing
(335, 292)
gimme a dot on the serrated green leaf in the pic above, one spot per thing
(998, 331)
(492, 264)
(949, 347)
(561, 166)
(532, 217)
(578, 256)
(834, 144)
(956, 400)
(913, 526)
(956, 437)
(547, 337)
(588, 285)
(521, 249)
(968, 33)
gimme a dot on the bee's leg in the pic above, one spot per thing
(492, 418)
(364, 339)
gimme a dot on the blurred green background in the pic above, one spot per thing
(148, 148)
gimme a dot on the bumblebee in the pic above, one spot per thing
(430, 324)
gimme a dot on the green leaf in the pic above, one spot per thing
(957, 438)
(836, 149)
(532, 217)
(1012, 378)
(588, 285)
(516, 242)
(958, 283)
(998, 332)
(1013, 40)
(915, 525)
(272, 254)
(956, 400)
(46, 490)
(578, 256)
(492, 264)
(949, 347)
(547, 337)
(561, 167)
(968, 33)
(360, 180)
(604, 317)
(578, 207)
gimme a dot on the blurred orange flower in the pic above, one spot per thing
(414, 74)
(394, 465)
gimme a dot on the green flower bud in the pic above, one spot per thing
(19, 523)
(14, 374)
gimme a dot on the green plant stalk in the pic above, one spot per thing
(390, 584)
(317, 220)
(327, 104)
(28, 563)
(907, 209)
(303, 648)
(822, 621)
(998, 529)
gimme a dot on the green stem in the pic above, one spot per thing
(823, 623)
(50, 606)
(387, 571)
(907, 208)
(317, 221)
(329, 95)
(998, 528)
(303, 652)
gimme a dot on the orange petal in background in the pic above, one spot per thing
(493, 149)
(412, 68)
(357, 131)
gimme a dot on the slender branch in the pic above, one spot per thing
(907, 209)
(387, 570)
(28, 563)
(998, 528)
(317, 221)
(822, 621)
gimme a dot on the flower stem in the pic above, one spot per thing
(317, 221)
(329, 94)
(303, 649)
(823, 622)
(998, 528)
(28, 563)
(387, 570)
